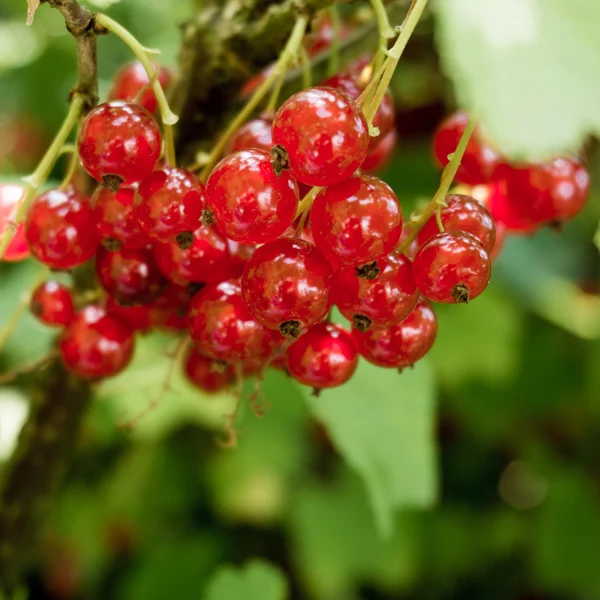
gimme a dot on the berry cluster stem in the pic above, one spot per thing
(448, 175)
(386, 32)
(38, 178)
(287, 56)
(168, 117)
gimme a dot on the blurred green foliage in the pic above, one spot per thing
(475, 475)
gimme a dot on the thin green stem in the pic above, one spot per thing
(38, 178)
(386, 32)
(289, 54)
(70, 171)
(274, 97)
(438, 200)
(438, 218)
(168, 117)
(306, 202)
(306, 68)
(334, 57)
(393, 56)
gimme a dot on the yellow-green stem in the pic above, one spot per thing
(306, 68)
(306, 202)
(70, 171)
(448, 175)
(274, 97)
(386, 32)
(38, 178)
(334, 58)
(286, 57)
(168, 117)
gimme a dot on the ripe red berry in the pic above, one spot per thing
(255, 134)
(556, 190)
(480, 159)
(132, 79)
(96, 344)
(463, 213)
(60, 229)
(349, 83)
(52, 304)
(206, 374)
(221, 326)
(324, 135)
(17, 249)
(357, 221)
(401, 345)
(117, 223)
(137, 317)
(130, 276)
(324, 357)
(381, 154)
(380, 302)
(452, 267)
(170, 309)
(119, 142)
(250, 203)
(207, 260)
(286, 285)
(169, 204)
(240, 254)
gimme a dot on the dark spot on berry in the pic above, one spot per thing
(185, 240)
(112, 244)
(460, 293)
(194, 288)
(290, 329)
(368, 271)
(218, 366)
(208, 217)
(281, 160)
(361, 322)
(112, 182)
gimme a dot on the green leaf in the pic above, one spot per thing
(383, 425)
(257, 580)
(523, 63)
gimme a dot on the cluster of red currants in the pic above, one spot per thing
(250, 271)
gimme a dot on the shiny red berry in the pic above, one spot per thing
(52, 304)
(380, 302)
(17, 249)
(480, 159)
(401, 345)
(210, 376)
(169, 204)
(240, 254)
(255, 134)
(117, 223)
(324, 357)
(250, 203)
(207, 260)
(130, 276)
(357, 221)
(463, 213)
(137, 317)
(286, 285)
(221, 326)
(452, 267)
(119, 142)
(170, 309)
(381, 154)
(132, 79)
(553, 191)
(60, 229)
(96, 344)
(324, 135)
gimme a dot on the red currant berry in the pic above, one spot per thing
(17, 249)
(401, 345)
(60, 229)
(380, 302)
(137, 317)
(221, 326)
(96, 344)
(255, 134)
(463, 213)
(206, 374)
(130, 276)
(250, 203)
(207, 260)
(240, 254)
(169, 204)
(132, 79)
(385, 116)
(556, 190)
(357, 221)
(170, 309)
(52, 304)
(286, 285)
(324, 135)
(480, 159)
(119, 142)
(324, 357)
(452, 267)
(115, 217)
(380, 156)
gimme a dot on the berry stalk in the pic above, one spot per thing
(448, 175)
(287, 56)
(168, 117)
(36, 180)
(386, 32)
